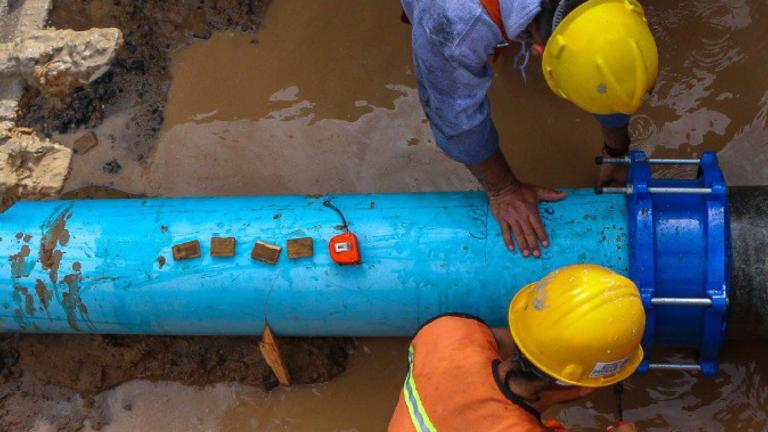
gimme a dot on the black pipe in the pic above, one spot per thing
(748, 308)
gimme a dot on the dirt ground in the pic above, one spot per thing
(138, 79)
(61, 376)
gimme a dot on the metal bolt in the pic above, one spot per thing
(626, 160)
(628, 190)
(672, 301)
(674, 367)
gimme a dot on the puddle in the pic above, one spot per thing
(363, 398)
(329, 87)
(683, 401)
(360, 399)
(307, 60)
(293, 95)
(344, 101)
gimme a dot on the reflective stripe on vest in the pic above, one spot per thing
(419, 416)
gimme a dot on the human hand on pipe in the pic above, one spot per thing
(514, 204)
(516, 209)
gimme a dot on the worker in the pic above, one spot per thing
(598, 54)
(576, 330)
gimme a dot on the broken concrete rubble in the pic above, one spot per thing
(85, 143)
(56, 61)
(17, 18)
(31, 167)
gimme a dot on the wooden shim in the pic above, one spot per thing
(85, 143)
(266, 252)
(188, 250)
(270, 350)
(222, 246)
(300, 247)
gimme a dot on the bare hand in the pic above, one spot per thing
(516, 209)
(626, 427)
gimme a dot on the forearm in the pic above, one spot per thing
(615, 141)
(478, 149)
(615, 144)
(493, 173)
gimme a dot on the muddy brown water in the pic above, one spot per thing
(322, 99)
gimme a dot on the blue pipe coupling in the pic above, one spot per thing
(680, 258)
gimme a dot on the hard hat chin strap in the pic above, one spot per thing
(523, 368)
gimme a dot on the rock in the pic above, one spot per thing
(205, 35)
(57, 61)
(112, 167)
(85, 143)
(31, 167)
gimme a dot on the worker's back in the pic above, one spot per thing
(451, 384)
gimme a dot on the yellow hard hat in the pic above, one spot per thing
(602, 57)
(581, 324)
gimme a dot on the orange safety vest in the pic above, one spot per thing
(451, 384)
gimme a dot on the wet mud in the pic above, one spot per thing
(98, 192)
(341, 102)
(57, 378)
(56, 234)
(138, 79)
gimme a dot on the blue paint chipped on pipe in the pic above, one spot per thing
(105, 266)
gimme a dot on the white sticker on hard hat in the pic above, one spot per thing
(604, 369)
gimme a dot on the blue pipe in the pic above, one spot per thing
(105, 266)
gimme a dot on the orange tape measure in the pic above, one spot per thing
(344, 248)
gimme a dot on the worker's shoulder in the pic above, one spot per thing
(453, 320)
(448, 20)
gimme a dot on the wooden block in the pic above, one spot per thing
(186, 250)
(222, 246)
(85, 143)
(266, 252)
(271, 352)
(300, 247)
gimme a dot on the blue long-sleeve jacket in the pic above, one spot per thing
(452, 41)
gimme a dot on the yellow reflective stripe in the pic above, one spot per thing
(419, 416)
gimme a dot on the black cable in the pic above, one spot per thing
(328, 204)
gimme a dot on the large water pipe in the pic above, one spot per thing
(105, 266)
(748, 308)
